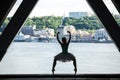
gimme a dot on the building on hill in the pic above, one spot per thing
(101, 34)
(27, 30)
(78, 14)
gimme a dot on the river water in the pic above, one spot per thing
(37, 58)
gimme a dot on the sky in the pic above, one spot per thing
(60, 7)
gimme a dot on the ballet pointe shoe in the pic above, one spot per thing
(53, 71)
(75, 71)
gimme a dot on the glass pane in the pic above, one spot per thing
(35, 46)
(113, 10)
(8, 18)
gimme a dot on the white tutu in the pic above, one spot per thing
(64, 57)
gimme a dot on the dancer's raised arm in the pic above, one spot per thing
(58, 38)
(69, 36)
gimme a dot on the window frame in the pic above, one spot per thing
(27, 6)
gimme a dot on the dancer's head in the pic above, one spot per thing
(63, 39)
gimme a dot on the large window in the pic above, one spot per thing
(35, 45)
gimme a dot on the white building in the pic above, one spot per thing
(36, 32)
(77, 14)
(48, 32)
(27, 30)
(60, 29)
(101, 34)
(83, 33)
(63, 31)
(20, 37)
(69, 28)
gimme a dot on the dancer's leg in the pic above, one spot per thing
(54, 64)
(74, 63)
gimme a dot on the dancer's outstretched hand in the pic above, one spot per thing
(58, 32)
(68, 31)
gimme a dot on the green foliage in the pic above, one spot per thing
(117, 18)
(5, 23)
(29, 22)
(86, 22)
(46, 22)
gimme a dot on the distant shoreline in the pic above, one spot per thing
(71, 42)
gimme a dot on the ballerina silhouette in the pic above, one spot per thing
(64, 56)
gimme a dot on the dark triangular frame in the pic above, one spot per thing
(5, 8)
(107, 20)
(15, 24)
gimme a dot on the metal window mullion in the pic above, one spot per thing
(15, 24)
(107, 20)
(5, 8)
(116, 4)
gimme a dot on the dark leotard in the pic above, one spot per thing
(64, 48)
